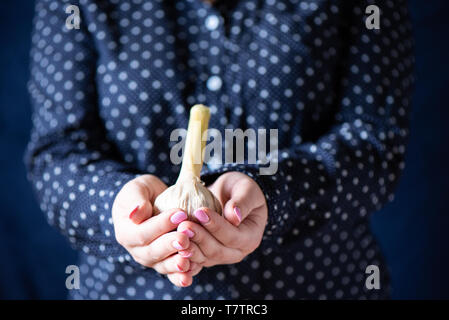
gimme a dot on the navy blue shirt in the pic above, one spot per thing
(107, 96)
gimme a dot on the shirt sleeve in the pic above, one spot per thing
(353, 169)
(75, 171)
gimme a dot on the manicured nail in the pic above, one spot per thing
(183, 283)
(178, 217)
(188, 233)
(201, 216)
(179, 268)
(177, 245)
(185, 254)
(133, 212)
(238, 213)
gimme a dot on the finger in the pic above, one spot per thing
(132, 202)
(193, 253)
(185, 279)
(218, 226)
(135, 198)
(160, 248)
(131, 235)
(180, 279)
(172, 264)
(195, 268)
(153, 184)
(214, 251)
(244, 196)
(126, 225)
(141, 213)
(152, 228)
(252, 229)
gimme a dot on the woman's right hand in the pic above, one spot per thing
(151, 240)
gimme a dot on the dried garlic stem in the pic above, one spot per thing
(189, 192)
(193, 157)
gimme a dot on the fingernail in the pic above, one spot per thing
(133, 212)
(183, 283)
(177, 245)
(179, 268)
(178, 217)
(238, 213)
(188, 233)
(185, 254)
(201, 216)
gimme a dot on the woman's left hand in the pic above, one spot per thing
(229, 238)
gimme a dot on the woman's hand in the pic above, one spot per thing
(152, 241)
(229, 238)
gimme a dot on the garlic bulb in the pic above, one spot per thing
(189, 192)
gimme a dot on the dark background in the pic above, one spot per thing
(413, 231)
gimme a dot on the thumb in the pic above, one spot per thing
(141, 213)
(134, 202)
(242, 200)
(144, 190)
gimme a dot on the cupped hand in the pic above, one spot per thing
(151, 240)
(229, 238)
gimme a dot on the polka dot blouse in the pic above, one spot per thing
(107, 96)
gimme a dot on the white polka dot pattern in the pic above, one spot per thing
(107, 96)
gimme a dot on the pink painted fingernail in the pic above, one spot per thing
(133, 212)
(185, 254)
(201, 216)
(178, 217)
(179, 268)
(238, 213)
(188, 233)
(177, 245)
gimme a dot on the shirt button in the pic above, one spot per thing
(212, 22)
(214, 83)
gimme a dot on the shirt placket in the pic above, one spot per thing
(212, 83)
(211, 74)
